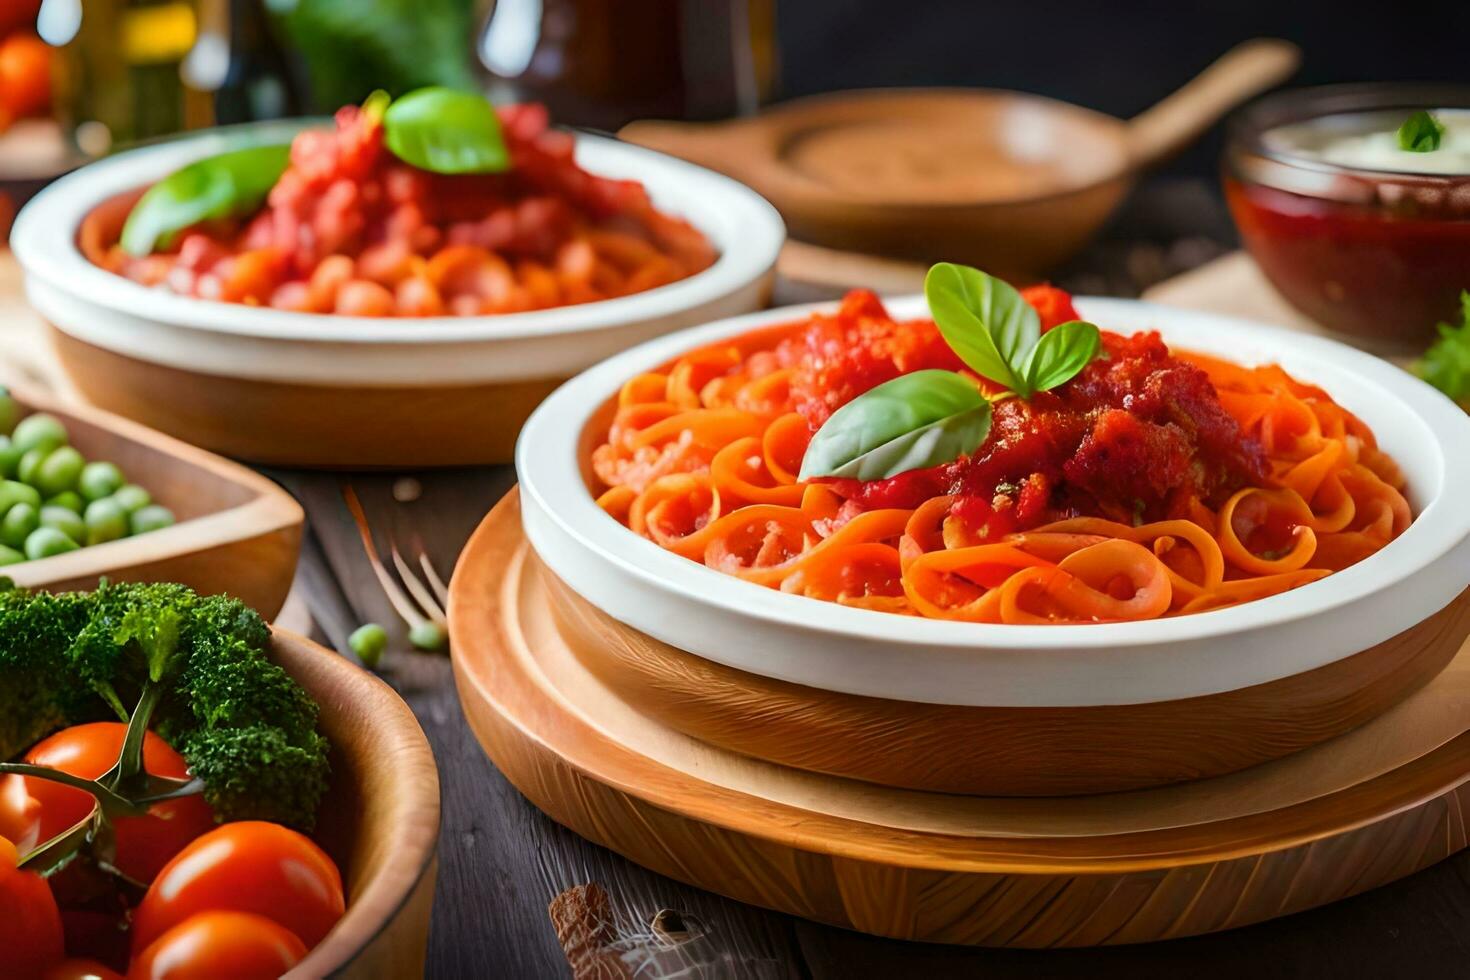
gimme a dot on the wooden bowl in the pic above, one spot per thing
(304, 389)
(1008, 181)
(237, 532)
(1002, 709)
(379, 821)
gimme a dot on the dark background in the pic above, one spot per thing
(1116, 57)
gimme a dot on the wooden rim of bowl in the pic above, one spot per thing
(398, 782)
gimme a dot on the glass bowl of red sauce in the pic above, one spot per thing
(1368, 239)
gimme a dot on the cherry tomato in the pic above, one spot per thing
(43, 809)
(220, 946)
(75, 969)
(25, 75)
(30, 925)
(249, 866)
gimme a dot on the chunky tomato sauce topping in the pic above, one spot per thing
(1137, 435)
(349, 228)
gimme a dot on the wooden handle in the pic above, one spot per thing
(1242, 72)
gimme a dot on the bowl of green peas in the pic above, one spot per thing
(87, 496)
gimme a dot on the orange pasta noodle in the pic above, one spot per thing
(1081, 507)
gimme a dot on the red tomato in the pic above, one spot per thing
(220, 946)
(25, 75)
(43, 809)
(30, 925)
(249, 866)
(75, 969)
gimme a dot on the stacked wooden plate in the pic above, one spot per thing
(960, 782)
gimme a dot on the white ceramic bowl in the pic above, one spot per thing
(233, 340)
(828, 646)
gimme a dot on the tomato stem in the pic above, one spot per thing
(112, 804)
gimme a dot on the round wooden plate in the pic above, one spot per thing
(1334, 820)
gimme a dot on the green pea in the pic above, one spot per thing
(13, 492)
(132, 497)
(10, 455)
(368, 642)
(30, 465)
(39, 431)
(69, 499)
(99, 480)
(68, 522)
(427, 636)
(106, 521)
(9, 411)
(150, 518)
(44, 542)
(18, 523)
(9, 556)
(59, 471)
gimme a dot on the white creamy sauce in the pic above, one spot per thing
(1369, 141)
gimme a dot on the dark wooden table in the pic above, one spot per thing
(502, 861)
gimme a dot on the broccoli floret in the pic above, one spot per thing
(257, 772)
(37, 693)
(198, 662)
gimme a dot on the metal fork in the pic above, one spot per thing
(423, 606)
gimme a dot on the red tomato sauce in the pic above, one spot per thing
(1370, 270)
(349, 228)
(1137, 435)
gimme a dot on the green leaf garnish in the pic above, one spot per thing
(224, 186)
(1061, 352)
(984, 320)
(1420, 133)
(915, 421)
(446, 131)
(1446, 364)
(928, 418)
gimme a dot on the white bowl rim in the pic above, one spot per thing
(43, 239)
(553, 491)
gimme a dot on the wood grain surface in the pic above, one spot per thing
(1002, 751)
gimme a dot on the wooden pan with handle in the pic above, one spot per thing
(1009, 181)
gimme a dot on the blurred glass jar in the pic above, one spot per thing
(1380, 254)
(135, 70)
(604, 63)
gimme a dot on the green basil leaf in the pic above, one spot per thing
(914, 421)
(1420, 133)
(1061, 352)
(984, 320)
(446, 131)
(224, 186)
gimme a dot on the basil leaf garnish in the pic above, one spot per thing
(915, 421)
(1061, 352)
(224, 186)
(985, 321)
(1420, 133)
(446, 131)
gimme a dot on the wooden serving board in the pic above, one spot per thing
(1334, 820)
